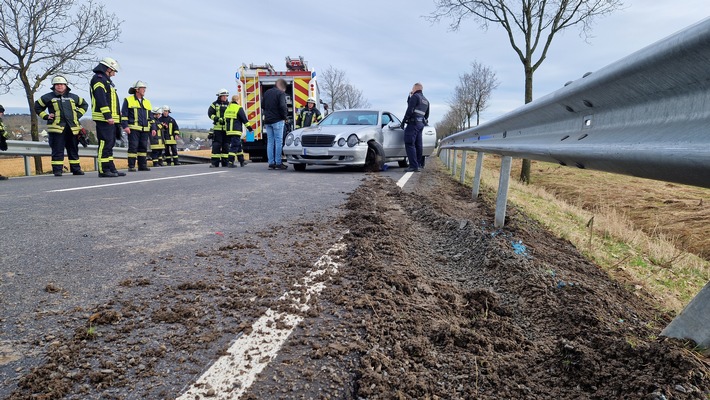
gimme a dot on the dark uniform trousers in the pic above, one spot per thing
(171, 154)
(106, 134)
(220, 148)
(235, 148)
(138, 148)
(60, 141)
(413, 141)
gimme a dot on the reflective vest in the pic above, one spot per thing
(216, 112)
(104, 99)
(135, 114)
(67, 110)
(170, 129)
(156, 142)
(234, 119)
(308, 117)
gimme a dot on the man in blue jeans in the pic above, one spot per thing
(415, 118)
(273, 105)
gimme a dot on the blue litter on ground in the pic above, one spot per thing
(519, 248)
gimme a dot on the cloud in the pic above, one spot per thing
(186, 51)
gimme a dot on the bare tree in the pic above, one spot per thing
(531, 26)
(453, 121)
(474, 91)
(41, 38)
(332, 82)
(353, 98)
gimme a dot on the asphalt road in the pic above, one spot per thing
(84, 235)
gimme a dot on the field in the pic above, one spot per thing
(651, 235)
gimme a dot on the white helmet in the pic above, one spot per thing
(111, 63)
(139, 84)
(311, 100)
(223, 92)
(166, 108)
(59, 80)
(157, 110)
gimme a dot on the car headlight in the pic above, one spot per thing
(289, 139)
(297, 141)
(341, 142)
(353, 140)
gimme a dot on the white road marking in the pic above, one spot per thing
(132, 182)
(403, 180)
(232, 374)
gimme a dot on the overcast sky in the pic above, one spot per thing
(186, 51)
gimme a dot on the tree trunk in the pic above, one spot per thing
(34, 129)
(525, 169)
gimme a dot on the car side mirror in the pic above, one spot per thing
(393, 125)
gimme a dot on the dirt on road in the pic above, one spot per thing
(431, 302)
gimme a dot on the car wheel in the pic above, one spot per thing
(299, 167)
(375, 160)
(403, 163)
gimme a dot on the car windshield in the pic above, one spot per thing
(351, 118)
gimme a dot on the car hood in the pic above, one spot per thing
(334, 130)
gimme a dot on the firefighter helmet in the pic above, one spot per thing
(59, 80)
(139, 84)
(311, 100)
(111, 63)
(157, 110)
(223, 92)
(166, 108)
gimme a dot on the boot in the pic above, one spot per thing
(108, 174)
(78, 172)
(241, 161)
(143, 163)
(131, 164)
(231, 165)
(57, 170)
(112, 168)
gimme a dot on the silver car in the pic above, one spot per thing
(363, 138)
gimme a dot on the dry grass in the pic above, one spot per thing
(15, 166)
(652, 261)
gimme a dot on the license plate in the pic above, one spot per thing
(315, 151)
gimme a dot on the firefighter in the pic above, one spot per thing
(235, 120)
(62, 110)
(4, 135)
(138, 125)
(415, 119)
(172, 133)
(220, 145)
(309, 115)
(157, 144)
(104, 111)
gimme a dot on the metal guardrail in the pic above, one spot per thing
(647, 115)
(29, 149)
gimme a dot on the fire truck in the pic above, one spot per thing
(254, 80)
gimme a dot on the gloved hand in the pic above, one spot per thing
(3, 143)
(221, 121)
(402, 125)
(210, 136)
(426, 122)
(83, 137)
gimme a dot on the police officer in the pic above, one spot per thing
(172, 133)
(62, 110)
(104, 111)
(4, 135)
(235, 120)
(138, 125)
(415, 119)
(309, 115)
(157, 144)
(220, 144)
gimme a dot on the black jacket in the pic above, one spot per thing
(417, 107)
(273, 105)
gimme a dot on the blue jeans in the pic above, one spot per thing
(275, 142)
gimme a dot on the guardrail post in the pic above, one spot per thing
(453, 164)
(502, 198)
(463, 167)
(28, 169)
(96, 164)
(477, 175)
